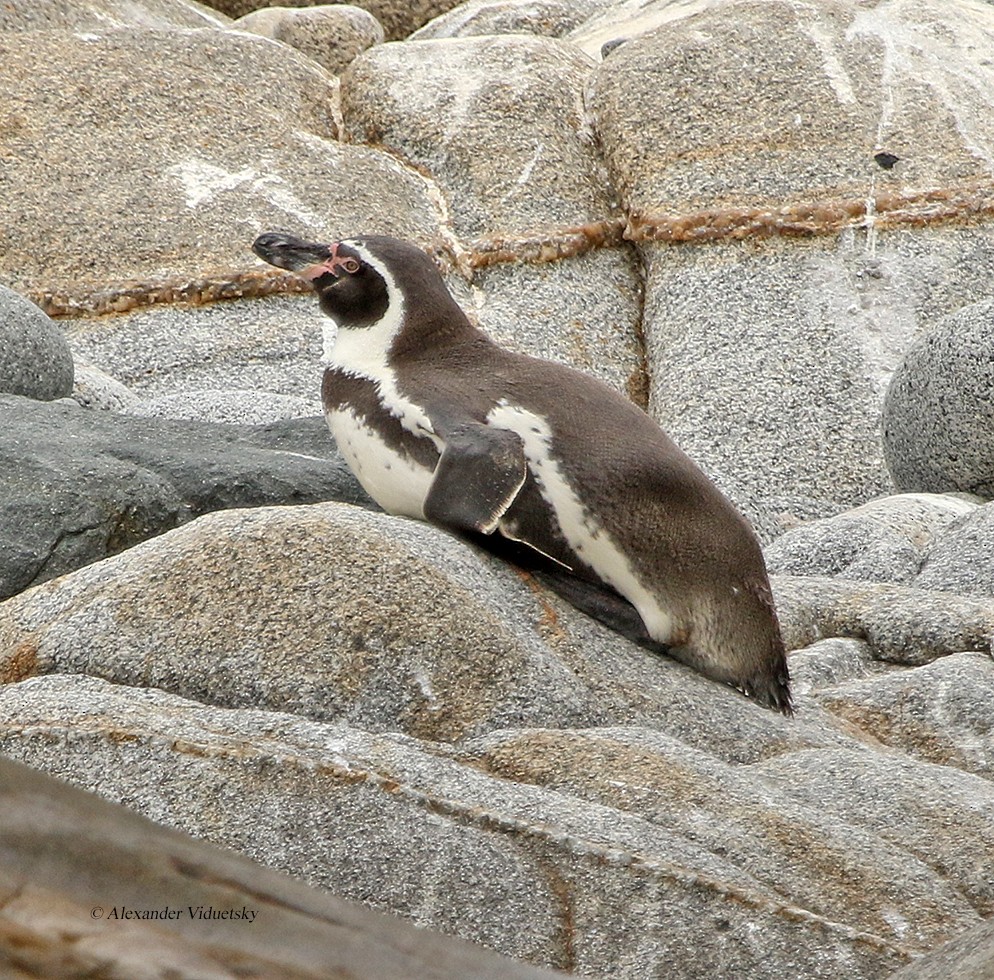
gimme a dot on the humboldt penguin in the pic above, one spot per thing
(540, 463)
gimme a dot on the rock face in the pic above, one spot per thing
(87, 15)
(399, 18)
(74, 866)
(769, 224)
(193, 179)
(938, 414)
(823, 322)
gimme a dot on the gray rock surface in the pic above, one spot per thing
(942, 712)
(93, 388)
(235, 407)
(743, 215)
(584, 313)
(885, 540)
(902, 625)
(78, 486)
(407, 629)
(519, 93)
(35, 360)
(550, 18)
(331, 34)
(71, 864)
(968, 957)
(962, 560)
(273, 344)
(939, 413)
(818, 325)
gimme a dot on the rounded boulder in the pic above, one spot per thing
(35, 360)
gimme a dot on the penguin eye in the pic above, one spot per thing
(350, 265)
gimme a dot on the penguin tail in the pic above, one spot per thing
(771, 691)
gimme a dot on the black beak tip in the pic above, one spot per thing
(265, 245)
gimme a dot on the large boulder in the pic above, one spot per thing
(88, 15)
(398, 17)
(719, 195)
(885, 540)
(962, 560)
(331, 34)
(225, 134)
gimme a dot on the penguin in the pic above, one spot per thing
(538, 462)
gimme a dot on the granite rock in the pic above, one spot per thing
(226, 134)
(721, 199)
(93, 388)
(940, 712)
(584, 313)
(407, 629)
(842, 84)
(520, 93)
(232, 406)
(331, 34)
(359, 813)
(885, 540)
(549, 18)
(88, 15)
(938, 413)
(272, 344)
(967, 957)
(902, 625)
(35, 360)
(71, 865)
(962, 559)
(78, 486)
(399, 18)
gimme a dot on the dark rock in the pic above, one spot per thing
(76, 486)
(35, 360)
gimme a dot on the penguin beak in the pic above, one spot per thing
(292, 254)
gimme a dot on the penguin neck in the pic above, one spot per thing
(369, 351)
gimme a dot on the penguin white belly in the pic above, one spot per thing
(395, 481)
(583, 532)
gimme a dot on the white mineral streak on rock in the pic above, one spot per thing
(835, 70)
(203, 181)
(628, 20)
(956, 69)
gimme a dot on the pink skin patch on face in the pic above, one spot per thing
(335, 264)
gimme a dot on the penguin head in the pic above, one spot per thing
(369, 280)
(353, 288)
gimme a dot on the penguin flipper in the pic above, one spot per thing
(477, 478)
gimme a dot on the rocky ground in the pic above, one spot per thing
(770, 224)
